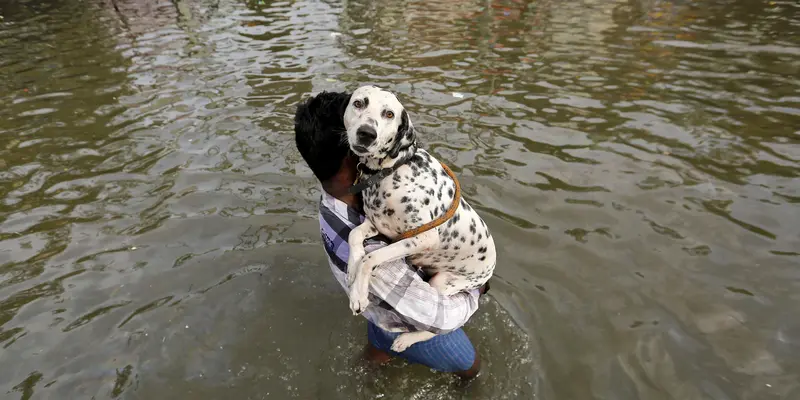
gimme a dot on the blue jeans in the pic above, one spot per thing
(451, 352)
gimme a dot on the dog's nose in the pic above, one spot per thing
(366, 135)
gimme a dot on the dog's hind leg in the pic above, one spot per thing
(442, 283)
(404, 341)
(356, 242)
(359, 291)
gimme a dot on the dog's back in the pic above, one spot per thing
(420, 192)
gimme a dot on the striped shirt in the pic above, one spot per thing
(400, 298)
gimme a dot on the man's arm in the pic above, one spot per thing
(411, 299)
(417, 302)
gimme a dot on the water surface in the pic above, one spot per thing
(637, 161)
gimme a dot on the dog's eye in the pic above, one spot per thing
(389, 115)
(358, 104)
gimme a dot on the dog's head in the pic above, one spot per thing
(378, 127)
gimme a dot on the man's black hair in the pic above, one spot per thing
(319, 133)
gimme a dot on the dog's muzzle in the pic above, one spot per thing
(366, 135)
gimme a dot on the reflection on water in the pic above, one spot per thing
(637, 161)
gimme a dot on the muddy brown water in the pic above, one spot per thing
(637, 162)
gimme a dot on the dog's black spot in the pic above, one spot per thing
(454, 234)
(480, 236)
(482, 258)
(390, 211)
(482, 249)
(472, 229)
(450, 192)
(405, 199)
(472, 243)
(408, 244)
(426, 201)
(366, 101)
(463, 239)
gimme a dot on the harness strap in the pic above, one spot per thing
(359, 186)
(442, 218)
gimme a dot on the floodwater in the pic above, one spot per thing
(637, 161)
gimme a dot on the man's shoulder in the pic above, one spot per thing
(332, 208)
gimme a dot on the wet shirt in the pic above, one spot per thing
(400, 299)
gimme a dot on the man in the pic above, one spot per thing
(400, 298)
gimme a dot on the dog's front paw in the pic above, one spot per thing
(359, 297)
(402, 342)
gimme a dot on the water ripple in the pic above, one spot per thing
(637, 162)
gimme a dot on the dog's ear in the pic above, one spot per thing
(406, 128)
(406, 136)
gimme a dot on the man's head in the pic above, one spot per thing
(377, 124)
(320, 133)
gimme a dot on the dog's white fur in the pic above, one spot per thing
(460, 252)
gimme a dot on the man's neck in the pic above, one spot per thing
(339, 188)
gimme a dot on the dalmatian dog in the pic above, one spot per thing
(404, 187)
